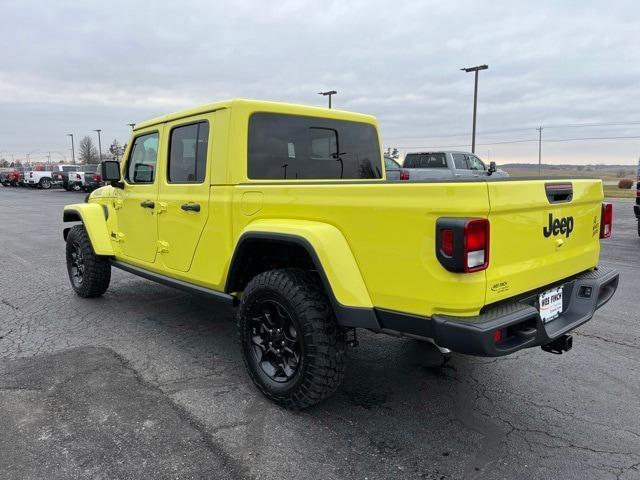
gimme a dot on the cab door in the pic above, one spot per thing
(137, 224)
(183, 198)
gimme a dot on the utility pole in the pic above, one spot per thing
(49, 158)
(475, 69)
(99, 144)
(539, 149)
(328, 94)
(73, 152)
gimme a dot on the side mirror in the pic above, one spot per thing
(110, 172)
(492, 168)
(143, 173)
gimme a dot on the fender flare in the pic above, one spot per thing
(94, 218)
(332, 257)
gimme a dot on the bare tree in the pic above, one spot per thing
(116, 150)
(87, 150)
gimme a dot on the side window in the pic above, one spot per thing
(297, 147)
(188, 153)
(390, 164)
(142, 159)
(460, 161)
(475, 163)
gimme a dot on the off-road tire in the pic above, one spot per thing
(323, 344)
(45, 183)
(96, 269)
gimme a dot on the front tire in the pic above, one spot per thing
(293, 348)
(89, 273)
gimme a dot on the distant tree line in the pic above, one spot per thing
(88, 152)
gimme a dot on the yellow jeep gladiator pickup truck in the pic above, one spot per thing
(285, 211)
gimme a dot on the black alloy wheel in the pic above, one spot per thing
(275, 343)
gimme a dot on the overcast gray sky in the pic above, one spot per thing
(73, 66)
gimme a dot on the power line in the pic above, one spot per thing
(520, 129)
(591, 138)
(525, 141)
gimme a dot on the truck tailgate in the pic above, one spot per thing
(538, 235)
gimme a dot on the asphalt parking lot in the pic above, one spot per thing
(148, 382)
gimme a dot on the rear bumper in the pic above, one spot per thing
(519, 320)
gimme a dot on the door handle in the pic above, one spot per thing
(190, 207)
(147, 204)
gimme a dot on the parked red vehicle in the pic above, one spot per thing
(12, 178)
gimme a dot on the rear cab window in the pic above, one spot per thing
(282, 146)
(425, 160)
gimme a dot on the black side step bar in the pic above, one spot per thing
(179, 284)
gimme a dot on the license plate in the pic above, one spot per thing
(550, 304)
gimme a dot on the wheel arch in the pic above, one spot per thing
(318, 247)
(93, 217)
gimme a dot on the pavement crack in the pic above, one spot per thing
(8, 304)
(607, 340)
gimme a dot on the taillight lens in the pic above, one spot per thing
(476, 245)
(97, 178)
(446, 241)
(404, 175)
(606, 220)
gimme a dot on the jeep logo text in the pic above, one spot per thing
(557, 226)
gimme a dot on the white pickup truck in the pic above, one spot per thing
(44, 178)
(440, 165)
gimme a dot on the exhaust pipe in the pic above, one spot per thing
(559, 345)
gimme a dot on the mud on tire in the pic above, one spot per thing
(307, 325)
(89, 273)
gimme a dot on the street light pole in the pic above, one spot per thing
(475, 101)
(328, 94)
(131, 125)
(539, 149)
(73, 152)
(99, 143)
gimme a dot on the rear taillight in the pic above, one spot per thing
(606, 220)
(78, 177)
(446, 241)
(97, 178)
(30, 174)
(404, 174)
(462, 244)
(476, 245)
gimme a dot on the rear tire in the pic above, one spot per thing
(639, 228)
(89, 273)
(45, 183)
(293, 348)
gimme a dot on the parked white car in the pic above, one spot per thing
(44, 178)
